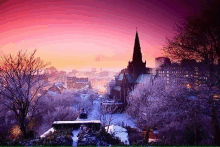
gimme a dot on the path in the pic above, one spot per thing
(95, 113)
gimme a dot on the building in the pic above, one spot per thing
(162, 61)
(134, 74)
(103, 74)
(74, 82)
(73, 72)
(189, 72)
(57, 87)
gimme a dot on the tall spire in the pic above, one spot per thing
(137, 56)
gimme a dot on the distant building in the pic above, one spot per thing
(134, 74)
(57, 87)
(51, 70)
(162, 61)
(110, 86)
(74, 82)
(103, 73)
(61, 76)
(88, 73)
(42, 77)
(93, 69)
(73, 72)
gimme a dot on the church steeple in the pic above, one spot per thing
(137, 56)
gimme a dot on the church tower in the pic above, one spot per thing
(137, 56)
(137, 66)
(130, 76)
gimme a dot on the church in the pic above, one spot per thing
(134, 74)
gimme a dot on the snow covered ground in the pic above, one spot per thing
(51, 130)
(121, 118)
(116, 119)
(75, 138)
(118, 132)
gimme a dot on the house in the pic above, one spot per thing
(74, 82)
(57, 87)
(190, 72)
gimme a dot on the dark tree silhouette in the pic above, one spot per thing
(21, 86)
(198, 37)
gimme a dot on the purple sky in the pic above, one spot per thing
(74, 34)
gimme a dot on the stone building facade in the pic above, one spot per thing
(191, 73)
(74, 82)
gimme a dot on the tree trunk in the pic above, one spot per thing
(23, 130)
(216, 126)
(146, 137)
(23, 124)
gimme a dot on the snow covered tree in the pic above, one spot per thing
(65, 106)
(21, 86)
(174, 109)
(198, 37)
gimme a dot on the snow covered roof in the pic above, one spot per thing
(59, 84)
(114, 103)
(75, 122)
(112, 83)
(121, 76)
(129, 78)
(111, 102)
(144, 78)
(82, 82)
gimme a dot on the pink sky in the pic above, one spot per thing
(75, 34)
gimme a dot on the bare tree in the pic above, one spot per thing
(21, 85)
(107, 110)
